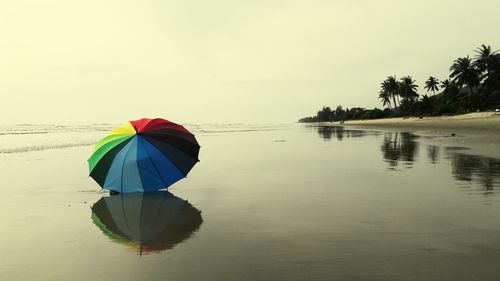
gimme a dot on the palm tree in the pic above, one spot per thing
(384, 91)
(484, 57)
(432, 84)
(463, 72)
(488, 63)
(385, 97)
(409, 88)
(445, 84)
(392, 86)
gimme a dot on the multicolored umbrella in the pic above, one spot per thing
(144, 155)
(146, 222)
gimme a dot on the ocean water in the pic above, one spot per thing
(266, 202)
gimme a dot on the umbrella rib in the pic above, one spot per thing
(163, 133)
(161, 205)
(123, 165)
(174, 147)
(138, 169)
(171, 125)
(124, 213)
(154, 165)
(176, 130)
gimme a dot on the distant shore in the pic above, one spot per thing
(477, 121)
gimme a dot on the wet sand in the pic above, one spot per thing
(295, 202)
(481, 122)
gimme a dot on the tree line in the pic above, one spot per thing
(472, 85)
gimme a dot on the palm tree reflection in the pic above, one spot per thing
(399, 147)
(339, 132)
(433, 153)
(474, 168)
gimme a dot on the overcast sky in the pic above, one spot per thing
(223, 60)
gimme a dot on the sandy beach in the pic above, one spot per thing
(472, 122)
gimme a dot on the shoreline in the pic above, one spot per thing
(486, 122)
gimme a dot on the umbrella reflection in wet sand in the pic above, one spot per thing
(146, 222)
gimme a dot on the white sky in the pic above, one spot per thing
(223, 60)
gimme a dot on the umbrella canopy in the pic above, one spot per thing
(143, 155)
(146, 222)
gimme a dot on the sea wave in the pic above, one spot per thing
(22, 133)
(43, 147)
(28, 137)
(238, 128)
(29, 129)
